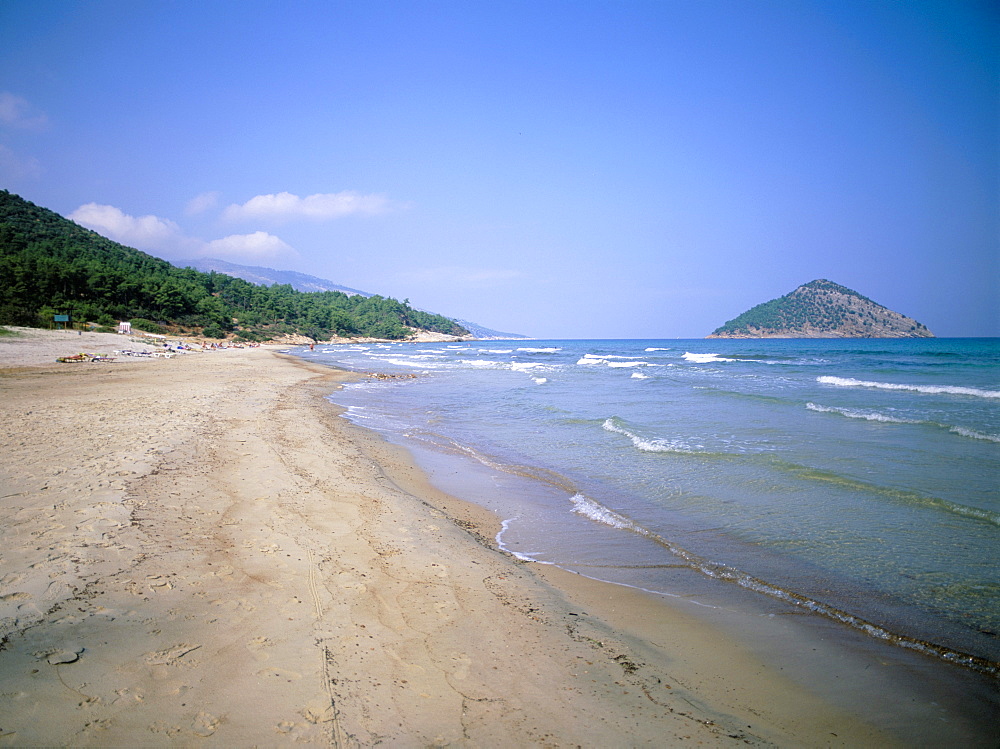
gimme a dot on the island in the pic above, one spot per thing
(821, 309)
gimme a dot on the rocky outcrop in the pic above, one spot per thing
(822, 309)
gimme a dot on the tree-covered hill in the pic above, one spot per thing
(821, 309)
(50, 265)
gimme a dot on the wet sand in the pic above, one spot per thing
(200, 551)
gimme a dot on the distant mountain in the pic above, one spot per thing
(822, 309)
(267, 276)
(305, 282)
(480, 331)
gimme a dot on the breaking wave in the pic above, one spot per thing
(615, 425)
(857, 413)
(704, 358)
(850, 382)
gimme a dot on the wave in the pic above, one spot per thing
(593, 360)
(639, 376)
(530, 369)
(856, 413)
(596, 511)
(651, 445)
(416, 357)
(905, 496)
(927, 389)
(806, 473)
(404, 362)
(484, 363)
(704, 358)
(770, 359)
(658, 349)
(599, 513)
(524, 557)
(973, 434)
(550, 350)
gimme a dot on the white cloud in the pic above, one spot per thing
(320, 207)
(256, 246)
(163, 236)
(202, 203)
(16, 111)
(142, 232)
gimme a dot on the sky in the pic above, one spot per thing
(583, 169)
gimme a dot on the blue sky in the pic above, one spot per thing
(560, 169)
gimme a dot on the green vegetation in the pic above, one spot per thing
(820, 306)
(49, 265)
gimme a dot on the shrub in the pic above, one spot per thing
(213, 331)
(149, 326)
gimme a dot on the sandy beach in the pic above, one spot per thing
(200, 551)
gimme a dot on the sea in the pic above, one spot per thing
(854, 479)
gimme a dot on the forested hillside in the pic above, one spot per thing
(822, 309)
(50, 265)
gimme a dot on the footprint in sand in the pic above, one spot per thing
(57, 656)
(205, 724)
(461, 669)
(10, 579)
(257, 645)
(170, 656)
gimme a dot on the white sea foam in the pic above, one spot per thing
(648, 445)
(595, 511)
(973, 434)
(704, 358)
(405, 362)
(497, 350)
(531, 368)
(406, 357)
(657, 349)
(928, 389)
(591, 360)
(855, 413)
(485, 363)
(552, 350)
(504, 526)
(639, 376)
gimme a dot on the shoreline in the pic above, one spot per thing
(195, 560)
(920, 696)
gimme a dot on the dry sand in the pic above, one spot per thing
(200, 551)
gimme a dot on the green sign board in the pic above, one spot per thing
(62, 318)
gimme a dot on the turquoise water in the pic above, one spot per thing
(854, 478)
